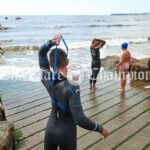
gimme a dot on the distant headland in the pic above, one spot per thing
(130, 14)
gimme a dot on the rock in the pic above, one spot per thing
(1, 51)
(140, 69)
(3, 28)
(6, 18)
(20, 48)
(6, 137)
(35, 48)
(18, 18)
(16, 48)
(148, 38)
(111, 61)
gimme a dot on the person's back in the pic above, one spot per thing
(126, 56)
(67, 110)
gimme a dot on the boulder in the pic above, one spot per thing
(1, 51)
(6, 137)
(3, 28)
(35, 48)
(16, 48)
(111, 61)
(140, 69)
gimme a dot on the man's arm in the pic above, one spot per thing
(43, 60)
(78, 115)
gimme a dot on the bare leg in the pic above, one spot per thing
(148, 87)
(91, 85)
(122, 81)
(94, 86)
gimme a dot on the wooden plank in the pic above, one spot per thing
(43, 129)
(86, 106)
(23, 87)
(33, 144)
(34, 92)
(25, 114)
(113, 126)
(39, 147)
(146, 147)
(138, 141)
(27, 104)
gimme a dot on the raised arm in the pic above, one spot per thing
(78, 115)
(102, 43)
(43, 60)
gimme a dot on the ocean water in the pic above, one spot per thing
(78, 31)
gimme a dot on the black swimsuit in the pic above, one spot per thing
(66, 111)
(149, 64)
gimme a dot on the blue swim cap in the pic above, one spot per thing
(124, 45)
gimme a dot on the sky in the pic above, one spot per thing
(72, 7)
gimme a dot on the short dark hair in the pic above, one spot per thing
(61, 58)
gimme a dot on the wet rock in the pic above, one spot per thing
(16, 48)
(35, 48)
(20, 48)
(1, 51)
(6, 138)
(111, 61)
(2, 27)
(18, 18)
(140, 69)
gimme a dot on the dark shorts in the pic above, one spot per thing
(149, 64)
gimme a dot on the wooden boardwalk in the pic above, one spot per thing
(127, 115)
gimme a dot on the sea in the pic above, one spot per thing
(78, 32)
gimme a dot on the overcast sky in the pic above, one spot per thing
(72, 7)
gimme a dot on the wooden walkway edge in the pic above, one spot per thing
(126, 115)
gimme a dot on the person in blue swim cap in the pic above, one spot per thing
(124, 45)
(67, 111)
(124, 65)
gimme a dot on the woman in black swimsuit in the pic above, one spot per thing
(97, 44)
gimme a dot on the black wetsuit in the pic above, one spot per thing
(149, 64)
(96, 62)
(66, 111)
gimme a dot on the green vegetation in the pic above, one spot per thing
(18, 143)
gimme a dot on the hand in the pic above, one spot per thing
(104, 133)
(117, 66)
(56, 39)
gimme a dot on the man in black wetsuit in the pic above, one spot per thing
(96, 62)
(67, 110)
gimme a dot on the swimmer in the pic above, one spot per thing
(124, 65)
(97, 44)
(67, 112)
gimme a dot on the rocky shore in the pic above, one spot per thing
(2, 27)
(20, 48)
(6, 132)
(138, 68)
